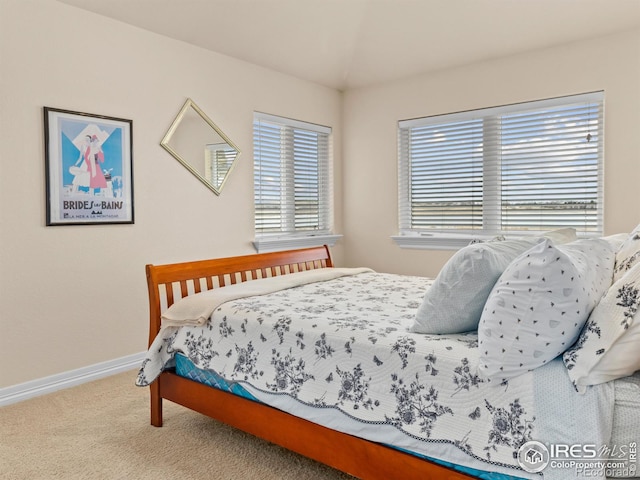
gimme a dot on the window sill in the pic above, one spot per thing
(456, 241)
(276, 244)
(433, 241)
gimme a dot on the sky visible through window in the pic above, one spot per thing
(540, 168)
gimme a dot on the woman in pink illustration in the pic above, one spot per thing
(94, 156)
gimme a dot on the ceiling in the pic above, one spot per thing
(346, 44)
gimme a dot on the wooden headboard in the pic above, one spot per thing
(171, 282)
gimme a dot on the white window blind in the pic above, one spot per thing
(291, 177)
(521, 168)
(218, 161)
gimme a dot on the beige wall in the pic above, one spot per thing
(73, 296)
(370, 120)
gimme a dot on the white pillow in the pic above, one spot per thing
(453, 304)
(616, 240)
(609, 345)
(540, 304)
(562, 235)
(628, 254)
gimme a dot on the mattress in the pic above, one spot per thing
(626, 414)
(185, 368)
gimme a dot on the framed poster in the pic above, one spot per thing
(88, 161)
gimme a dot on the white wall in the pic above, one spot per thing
(370, 121)
(72, 296)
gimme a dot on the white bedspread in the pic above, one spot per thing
(343, 346)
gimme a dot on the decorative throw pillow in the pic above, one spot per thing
(562, 235)
(453, 304)
(540, 304)
(609, 344)
(616, 240)
(628, 254)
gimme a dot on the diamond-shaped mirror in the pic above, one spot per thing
(196, 142)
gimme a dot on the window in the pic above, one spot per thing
(218, 160)
(517, 169)
(292, 183)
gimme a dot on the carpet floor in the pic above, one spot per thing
(100, 431)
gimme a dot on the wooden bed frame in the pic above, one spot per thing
(355, 456)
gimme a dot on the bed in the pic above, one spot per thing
(367, 414)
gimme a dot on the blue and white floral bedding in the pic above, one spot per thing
(342, 347)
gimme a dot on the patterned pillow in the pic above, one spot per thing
(628, 254)
(540, 304)
(609, 345)
(453, 304)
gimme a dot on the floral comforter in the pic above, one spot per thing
(343, 345)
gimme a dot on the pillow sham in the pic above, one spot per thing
(453, 304)
(609, 344)
(540, 303)
(628, 254)
(616, 240)
(562, 235)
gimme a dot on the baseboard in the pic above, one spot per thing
(42, 386)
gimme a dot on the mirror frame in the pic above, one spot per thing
(172, 130)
